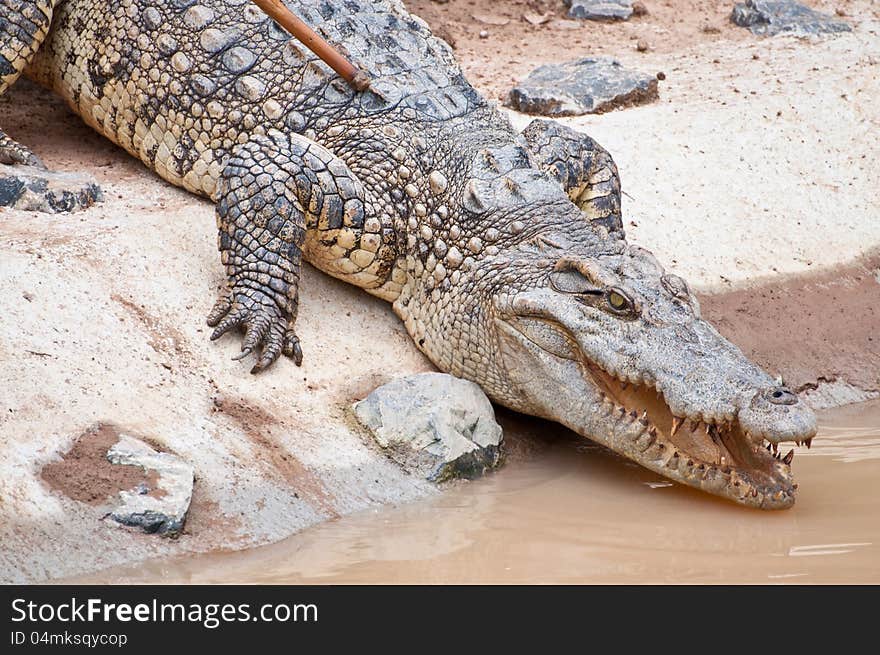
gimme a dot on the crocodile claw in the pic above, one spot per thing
(266, 328)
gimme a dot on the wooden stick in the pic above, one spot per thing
(276, 10)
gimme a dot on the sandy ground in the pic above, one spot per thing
(755, 163)
(820, 331)
(104, 323)
(512, 46)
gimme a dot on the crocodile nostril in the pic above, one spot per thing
(782, 396)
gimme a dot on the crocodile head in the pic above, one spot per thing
(606, 342)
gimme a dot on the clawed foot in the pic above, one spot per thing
(266, 327)
(13, 153)
(33, 188)
(26, 184)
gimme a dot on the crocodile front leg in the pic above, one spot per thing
(24, 181)
(12, 153)
(272, 191)
(584, 169)
(23, 26)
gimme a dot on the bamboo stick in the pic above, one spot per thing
(276, 10)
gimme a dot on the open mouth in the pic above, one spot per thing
(719, 458)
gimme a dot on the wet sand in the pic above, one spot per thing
(813, 329)
(579, 514)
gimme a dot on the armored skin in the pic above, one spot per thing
(503, 253)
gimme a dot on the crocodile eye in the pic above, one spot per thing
(618, 301)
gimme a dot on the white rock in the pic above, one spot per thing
(439, 425)
(163, 513)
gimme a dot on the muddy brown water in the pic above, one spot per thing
(583, 515)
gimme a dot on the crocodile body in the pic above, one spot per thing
(502, 252)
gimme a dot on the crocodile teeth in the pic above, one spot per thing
(668, 458)
(644, 441)
(676, 424)
(788, 458)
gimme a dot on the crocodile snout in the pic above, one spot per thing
(777, 414)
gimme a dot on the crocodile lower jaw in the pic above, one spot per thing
(717, 457)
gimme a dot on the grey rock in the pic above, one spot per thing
(772, 17)
(35, 189)
(586, 86)
(599, 9)
(433, 424)
(165, 512)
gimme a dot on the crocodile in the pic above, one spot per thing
(503, 252)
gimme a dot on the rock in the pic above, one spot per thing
(537, 19)
(160, 508)
(772, 17)
(35, 189)
(600, 9)
(591, 85)
(434, 424)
